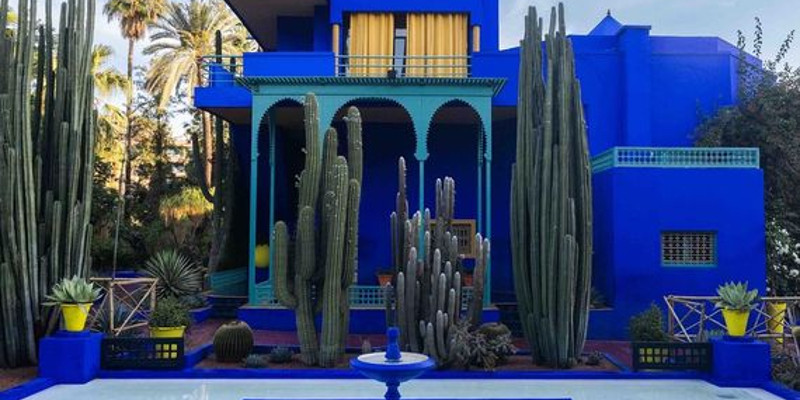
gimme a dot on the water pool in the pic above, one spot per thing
(239, 389)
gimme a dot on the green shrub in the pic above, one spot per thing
(170, 313)
(194, 301)
(486, 347)
(177, 275)
(648, 326)
(786, 372)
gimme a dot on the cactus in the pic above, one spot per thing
(428, 292)
(233, 342)
(326, 245)
(551, 198)
(47, 138)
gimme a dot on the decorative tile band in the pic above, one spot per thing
(676, 157)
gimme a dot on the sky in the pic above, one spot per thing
(667, 17)
(719, 18)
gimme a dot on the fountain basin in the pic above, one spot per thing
(377, 367)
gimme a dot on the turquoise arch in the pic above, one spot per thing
(420, 98)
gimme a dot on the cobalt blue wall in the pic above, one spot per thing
(295, 33)
(634, 205)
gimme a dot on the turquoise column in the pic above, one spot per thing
(251, 268)
(272, 138)
(486, 117)
(480, 180)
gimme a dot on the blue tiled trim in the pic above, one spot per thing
(350, 374)
(617, 363)
(194, 356)
(26, 389)
(781, 391)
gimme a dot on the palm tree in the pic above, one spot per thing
(107, 80)
(134, 16)
(11, 20)
(180, 39)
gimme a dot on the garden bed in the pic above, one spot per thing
(16, 376)
(515, 363)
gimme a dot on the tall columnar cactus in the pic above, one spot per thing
(551, 198)
(326, 242)
(428, 295)
(47, 137)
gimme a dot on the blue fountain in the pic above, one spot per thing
(393, 367)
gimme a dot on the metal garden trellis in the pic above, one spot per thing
(690, 318)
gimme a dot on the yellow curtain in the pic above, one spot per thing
(371, 35)
(444, 37)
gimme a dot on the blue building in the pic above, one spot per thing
(434, 87)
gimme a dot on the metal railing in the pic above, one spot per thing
(403, 66)
(361, 296)
(222, 69)
(676, 157)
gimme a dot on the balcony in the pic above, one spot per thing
(223, 70)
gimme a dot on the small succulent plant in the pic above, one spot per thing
(735, 296)
(366, 347)
(595, 358)
(73, 290)
(280, 355)
(256, 361)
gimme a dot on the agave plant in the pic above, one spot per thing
(735, 296)
(73, 290)
(178, 276)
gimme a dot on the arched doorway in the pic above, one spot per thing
(388, 134)
(455, 149)
(280, 147)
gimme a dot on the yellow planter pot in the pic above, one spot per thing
(777, 316)
(167, 332)
(736, 321)
(262, 256)
(75, 316)
(167, 350)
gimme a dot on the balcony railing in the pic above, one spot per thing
(222, 70)
(676, 157)
(361, 296)
(403, 66)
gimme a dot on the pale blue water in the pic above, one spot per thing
(238, 389)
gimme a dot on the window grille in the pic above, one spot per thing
(465, 231)
(689, 248)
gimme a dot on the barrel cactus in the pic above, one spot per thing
(428, 293)
(326, 245)
(551, 198)
(233, 342)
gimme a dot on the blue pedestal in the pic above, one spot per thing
(740, 362)
(70, 357)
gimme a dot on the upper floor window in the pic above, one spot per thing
(689, 248)
(415, 44)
